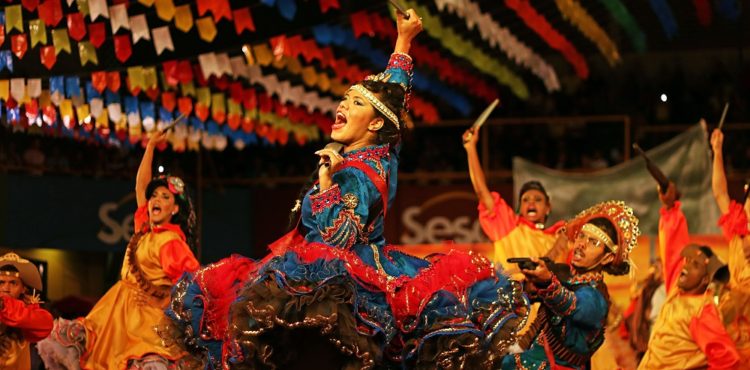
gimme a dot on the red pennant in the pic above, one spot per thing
(278, 45)
(113, 81)
(185, 72)
(236, 92)
(122, 134)
(221, 9)
(97, 33)
(220, 117)
(76, 26)
(204, 6)
(265, 103)
(168, 101)
(30, 5)
(248, 125)
(221, 83)
(123, 49)
(50, 114)
(361, 24)
(2, 34)
(185, 105)
(153, 93)
(326, 5)
(198, 75)
(50, 12)
(201, 111)
(134, 90)
(48, 56)
(243, 20)
(234, 121)
(99, 81)
(250, 99)
(282, 136)
(19, 45)
(171, 72)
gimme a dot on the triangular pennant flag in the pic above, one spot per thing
(206, 29)
(87, 52)
(243, 20)
(165, 9)
(50, 11)
(98, 8)
(168, 101)
(18, 89)
(123, 49)
(184, 104)
(38, 32)
(4, 90)
(48, 56)
(14, 18)
(326, 5)
(223, 66)
(19, 45)
(113, 81)
(162, 39)
(209, 65)
(183, 18)
(60, 40)
(139, 27)
(203, 6)
(239, 68)
(30, 5)
(135, 80)
(150, 78)
(99, 81)
(76, 26)
(34, 87)
(187, 89)
(118, 17)
(147, 3)
(83, 7)
(97, 33)
(221, 9)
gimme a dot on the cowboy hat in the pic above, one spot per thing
(27, 271)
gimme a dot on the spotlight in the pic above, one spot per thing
(663, 98)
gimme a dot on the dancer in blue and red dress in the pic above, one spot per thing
(332, 291)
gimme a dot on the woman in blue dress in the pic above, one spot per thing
(332, 293)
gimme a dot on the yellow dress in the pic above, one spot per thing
(121, 326)
(16, 357)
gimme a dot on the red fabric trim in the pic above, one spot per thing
(734, 222)
(325, 199)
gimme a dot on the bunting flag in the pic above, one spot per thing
(123, 49)
(550, 35)
(165, 9)
(243, 20)
(139, 28)
(97, 34)
(38, 32)
(48, 56)
(14, 18)
(666, 18)
(183, 18)
(326, 5)
(76, 26)
(501, 38)
(60, 40)
(50, 11)
(30, 5)
(83, 6)
(98, 8)
(87, 53)
(118, 17)
(206, 29)
(623, 17)
(19, 45)
(579, 17)
(162, 39)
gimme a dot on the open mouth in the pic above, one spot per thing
(340, 121)
(578, 254)
(683, 275)
(531, 212)
(156, 210)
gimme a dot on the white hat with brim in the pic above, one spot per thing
(27, 271)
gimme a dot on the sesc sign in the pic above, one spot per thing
(450, 216)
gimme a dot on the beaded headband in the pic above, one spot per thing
(601, 235)
(377, 104)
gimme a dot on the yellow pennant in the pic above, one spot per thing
(204, 96)
(60, 40)
(206, 28)
(218, 103)
(66, 108)
(4, 90)
(84, 115)
(233, 108)
(136, 78)
(147, 3)
(263, 54)
(188, 89)
(13, 18)
(38, 32)
(150, 78)
(87, 52)
(165, 9)
(83, 7)
(103, 118)
(293, 65)
(45, 99)
(183, 18)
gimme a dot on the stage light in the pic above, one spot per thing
(161, 169)
(663, 98)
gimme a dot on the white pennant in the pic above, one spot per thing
(97, 107)
(18, 89)
(114, 111)
(208, 65)
(34, 87)
(239, 67)
(162, 39)
(70, 3)
(119, 17)
(97, 8)
(224, 67)
(139, 27)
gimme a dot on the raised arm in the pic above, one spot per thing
(673, 236)
(478, 181)
(144, 170)
(408, 29)
(718, 177)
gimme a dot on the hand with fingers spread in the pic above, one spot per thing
(330, 162)
(470, 138)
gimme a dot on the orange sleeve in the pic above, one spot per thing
(673, 237)
(140, 217)
(707, 330)
(734, 222)
(177, 258)
(498, 222)
(35, 323)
